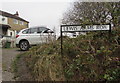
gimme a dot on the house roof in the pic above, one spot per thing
(11, 16)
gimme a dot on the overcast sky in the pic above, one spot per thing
(38, 13)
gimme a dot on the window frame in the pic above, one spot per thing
(15, 21)
(21, 22)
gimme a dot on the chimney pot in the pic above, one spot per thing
(16, 14)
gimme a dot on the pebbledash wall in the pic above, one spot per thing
(16, 25)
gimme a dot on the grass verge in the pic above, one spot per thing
(15, 65)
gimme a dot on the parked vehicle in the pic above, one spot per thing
(33, 36)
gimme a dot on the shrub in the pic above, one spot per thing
(91, 57)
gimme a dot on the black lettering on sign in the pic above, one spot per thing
(86, 28)
(98, 27)
(82, 28)
(89, 27)
(101, 27)
(71, 28)
(64, 28)
(67, 28)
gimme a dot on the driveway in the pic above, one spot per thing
(8, 56)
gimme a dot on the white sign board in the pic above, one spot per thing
(76, 28)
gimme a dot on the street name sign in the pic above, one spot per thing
(77, 28)
(83, 28)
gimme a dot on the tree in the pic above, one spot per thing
(93, 13)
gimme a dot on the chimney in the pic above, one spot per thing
(16, 14)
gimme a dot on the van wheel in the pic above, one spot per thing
(24, 45)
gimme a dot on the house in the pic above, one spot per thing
(11, 24)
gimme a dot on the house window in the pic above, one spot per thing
(26, 25)
(3, 19)
(21, 23)
(15, 21)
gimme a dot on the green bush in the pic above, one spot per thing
(91, 57)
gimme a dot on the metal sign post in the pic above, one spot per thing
(61, 39)
(81, 28)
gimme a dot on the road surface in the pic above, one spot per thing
(8, 55)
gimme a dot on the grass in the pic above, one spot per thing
(15, 66)
(14, 63)
(91, 57)
(4, 68)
